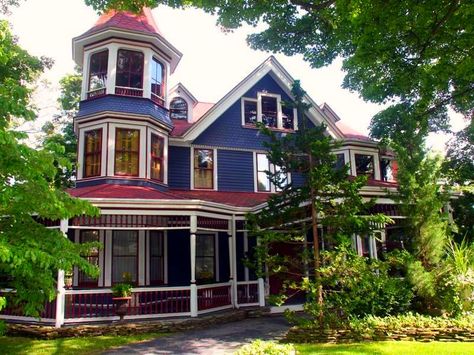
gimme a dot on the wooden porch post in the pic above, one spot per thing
(233, 259)
(231, 266)
(61, 296)
(193, 287)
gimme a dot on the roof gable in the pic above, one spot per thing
(272, 67)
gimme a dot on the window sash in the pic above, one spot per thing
(129, 69)
(124, 255)
(157, 78)
(203, 169)
(250, 112)
(127, 149)
(179, 109)
(365, 165)
(87, 236)
(263, 165)
(92, 153)
(269, 112)
(98, 65)
(157, 157)
(205, 257)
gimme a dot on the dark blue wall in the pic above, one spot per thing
(227, 130)
(224, 265)
(179, 259)
(179, 167)
(235, 170)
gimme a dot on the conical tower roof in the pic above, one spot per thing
(125, 20)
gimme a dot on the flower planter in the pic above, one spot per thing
(121, 306)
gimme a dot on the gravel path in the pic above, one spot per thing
(221, 339)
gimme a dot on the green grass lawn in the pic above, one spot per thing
(388, 347)
(69, 346)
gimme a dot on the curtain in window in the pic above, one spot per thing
(92, 152)
(124, 256)
(127, 144)
(203, 169)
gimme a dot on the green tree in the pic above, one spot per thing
(60, 130)
(327, 200)
(30, 254)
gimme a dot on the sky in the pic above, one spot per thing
(213, 61)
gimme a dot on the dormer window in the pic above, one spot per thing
(98, 74)
(129, 77)
(178, 109)
(269, 110)
(157, 82)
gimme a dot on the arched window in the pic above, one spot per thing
(178, 109)
(157, 82)
(98, 73)
(129, 72)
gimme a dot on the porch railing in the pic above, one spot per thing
(215, 296)
(81, 305)
(248, 293)
(48, 315)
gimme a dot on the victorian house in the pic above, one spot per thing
(174, 177)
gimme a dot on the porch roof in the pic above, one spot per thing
(105, 191)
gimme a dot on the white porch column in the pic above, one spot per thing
(61, 296)
(193, 293)
(261, 292)
(233, 258)
(232, 276)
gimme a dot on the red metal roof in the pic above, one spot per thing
(350, 132)
(237, 199)
(142, 22)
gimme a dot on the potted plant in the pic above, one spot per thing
(121, 295)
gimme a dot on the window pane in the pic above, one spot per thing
(205, 257)
(340, 162)
(262, 162)
(127, 142)
(156, 161)
(263, 183)
(92, 152)
(157, 78)
(124, 256)
(129, 69)
(87, 236)
(250, 112)
(288, 117)
(178, 109)
(365, 165)
(98, 70)
(269, 111)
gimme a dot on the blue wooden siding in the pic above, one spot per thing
(297, 179)
(179, 160)
(235, 170)
(227, 130)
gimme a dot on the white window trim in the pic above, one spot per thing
(165, 155)
(272, 170)
(81, 148)
(347, 157)
(215, 182)
(165, 76)
(375, 156)
(258, 100)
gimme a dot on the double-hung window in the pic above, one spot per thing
(157, 157)
(127, 146)
(157, 82)
(92, 153)
(205, 257)
(98, 73)
(263, 183)
(203, 168)
(124, 256)
(87, 236)
(268, 109)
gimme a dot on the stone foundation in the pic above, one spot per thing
(126, 328)
(303, 335)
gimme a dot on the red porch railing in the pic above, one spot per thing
(96, 93)
(214, 296)
(247, 293)
(12, 311)
(125, 91)
(98, 304)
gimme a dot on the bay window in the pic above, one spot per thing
(365, 165)
(98, 63)
(157, 157)
(92, 153)
(124, 256)
(129, 72)
(157, 82)
(203, 168)
(178, 109)
(127, 146)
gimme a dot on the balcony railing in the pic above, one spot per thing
(126, 91)
(96, 93)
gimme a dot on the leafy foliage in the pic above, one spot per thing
(30, 254)
(260, 347)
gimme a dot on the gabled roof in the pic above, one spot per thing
(142, 22)
(280, 75)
